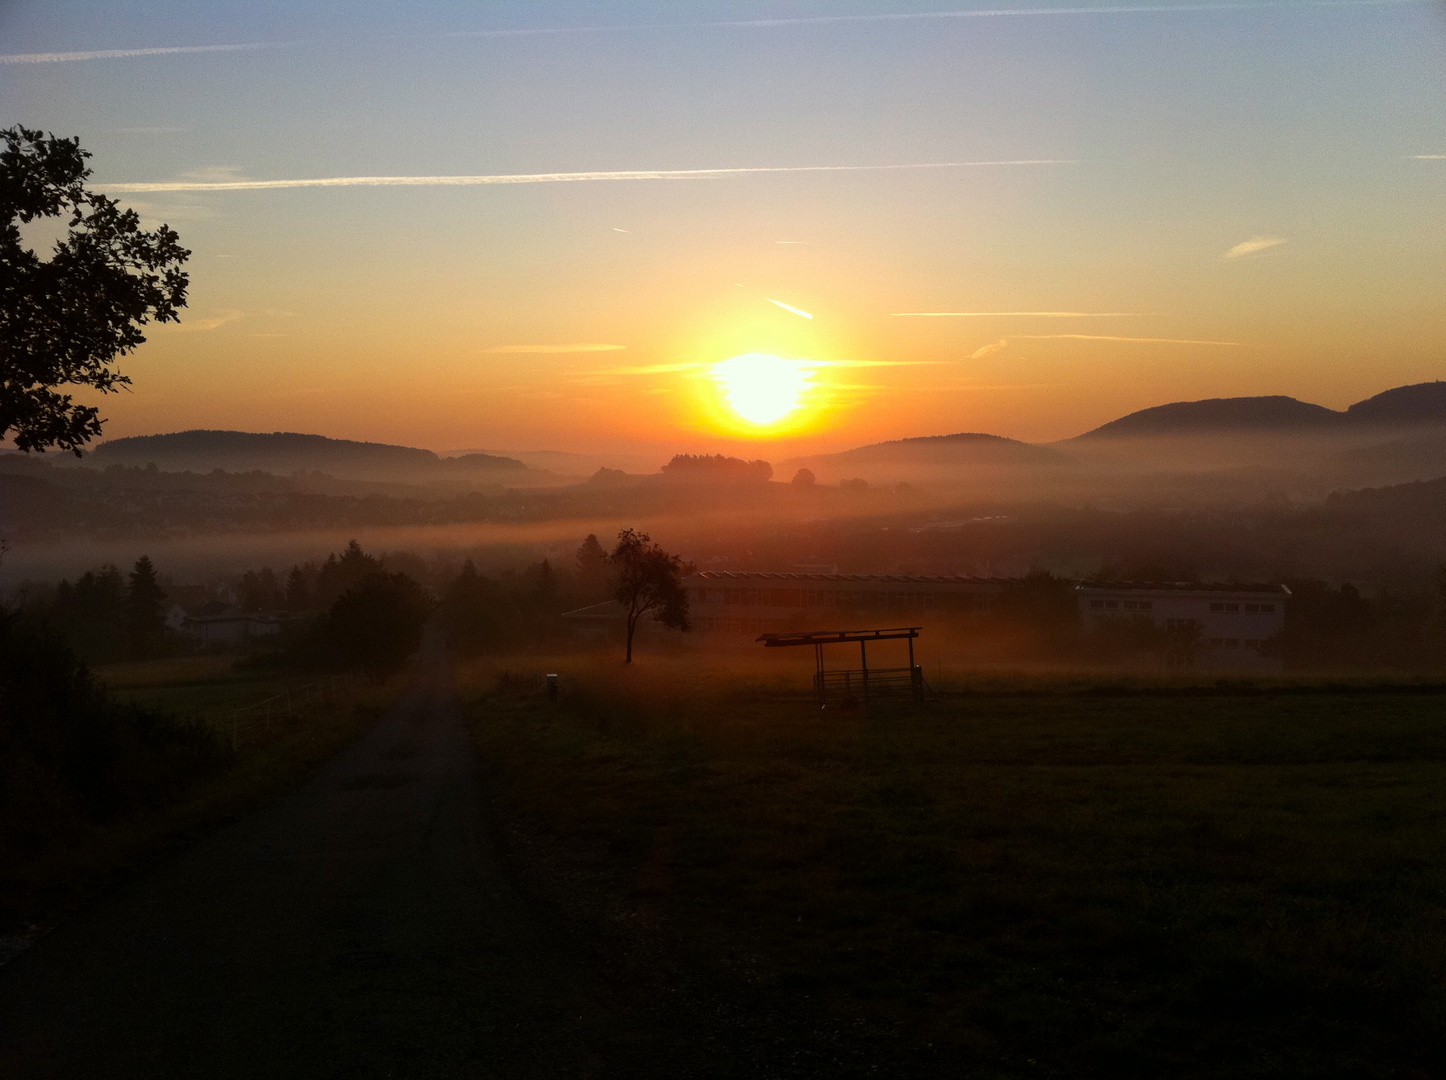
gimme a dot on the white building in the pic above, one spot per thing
(1233, 624)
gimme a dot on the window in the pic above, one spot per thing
(1112, 603)
(1252, 607)
(1267, 607)
(1097, 603)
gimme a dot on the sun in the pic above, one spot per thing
(761, 388)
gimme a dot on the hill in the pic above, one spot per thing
(964, 448)
(1243, 414)
(283, 451)
(1420, 403)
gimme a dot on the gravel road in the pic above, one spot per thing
(359, 927)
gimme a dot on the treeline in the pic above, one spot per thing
(1326, 628)
(105, 615)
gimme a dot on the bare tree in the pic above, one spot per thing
(649, 583)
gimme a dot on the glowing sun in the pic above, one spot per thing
(763, 389)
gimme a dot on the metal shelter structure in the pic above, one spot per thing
(849, 683)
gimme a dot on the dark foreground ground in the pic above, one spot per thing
(360, 927)
(1069, 879)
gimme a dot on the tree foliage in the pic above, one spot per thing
(65, 319)
(377, 623)
(716, 467)
(649, 583)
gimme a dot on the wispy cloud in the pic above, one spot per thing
(545, 178)
(1253, 245)
(1428, 157)
(789, 307)
(584, 347)
(1110, 337)
(1017, 314)
(127, 54)
(189, 325)
(985, 350)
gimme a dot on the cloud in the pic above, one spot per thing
(652, 369)
(126, 54)
(1253, 245)
(544, 178)
(985, 350)
(789, 307)
(584, 347)
(1017, 314)
(1109, 337)
(1428, 157)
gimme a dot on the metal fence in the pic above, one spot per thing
(248, 720)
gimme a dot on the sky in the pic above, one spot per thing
(548, 224)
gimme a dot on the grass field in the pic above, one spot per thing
(80, 861)
(1138, 880)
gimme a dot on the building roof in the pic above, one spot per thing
(608, 609)
(882, 579)
(1184, 587)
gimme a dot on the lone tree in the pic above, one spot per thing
(649, 583)
(65, 319)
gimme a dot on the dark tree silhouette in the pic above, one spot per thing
(474, 612)
(145, 609)
(804, 478)
(65, 319)
(377, 623)
(594, 577)
(298, 594)
(649, 583)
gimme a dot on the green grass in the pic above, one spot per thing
(83, 859)
(1097, 881)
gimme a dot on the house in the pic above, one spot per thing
(1226, 625)
(216, 622)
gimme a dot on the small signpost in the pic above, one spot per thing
(850, 684)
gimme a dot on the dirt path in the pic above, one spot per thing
(360, 927)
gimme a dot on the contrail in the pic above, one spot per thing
(543, 178)
(121, 54)
(1017, 314)
(762, 24)
(997, 13)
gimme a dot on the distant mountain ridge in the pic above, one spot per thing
(1421, 404)
(965, 447)
(203, 450)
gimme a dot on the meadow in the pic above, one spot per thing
(1063, 878)
(62, 851)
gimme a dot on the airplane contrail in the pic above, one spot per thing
(1029, 314)
(541, 178)
(122, 54)
(817, 20)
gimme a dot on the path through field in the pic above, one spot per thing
(359, 927)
